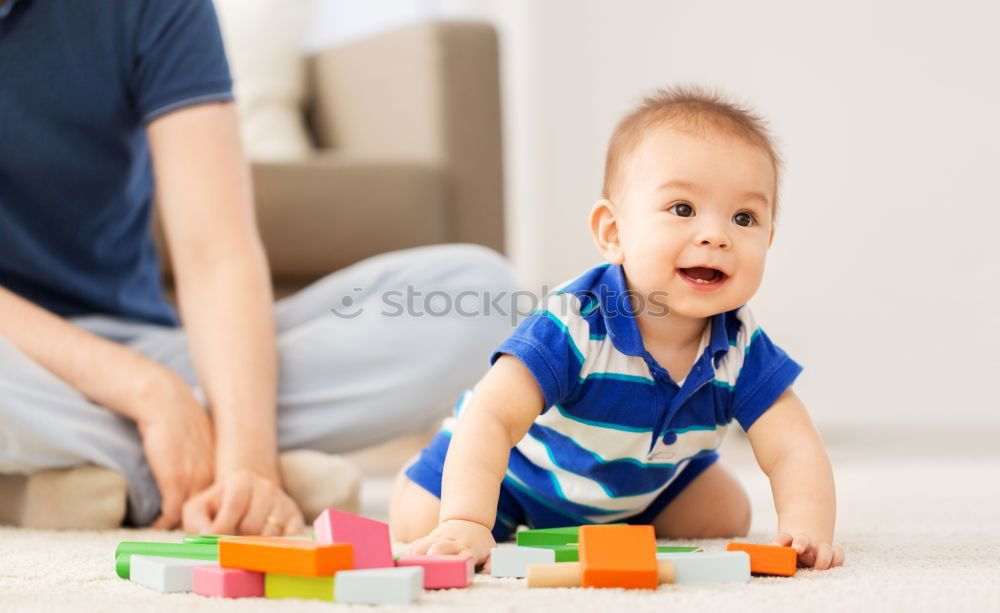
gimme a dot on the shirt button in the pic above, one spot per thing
(669, 438)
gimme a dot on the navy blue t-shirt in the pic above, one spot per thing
(79, 83)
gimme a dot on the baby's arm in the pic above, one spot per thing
(790, 452)
(504, 405)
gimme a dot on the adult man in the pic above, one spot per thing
(96, 100)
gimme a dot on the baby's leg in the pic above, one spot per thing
(714, 505)
(413, 511)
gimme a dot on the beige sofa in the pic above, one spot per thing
(407, 130)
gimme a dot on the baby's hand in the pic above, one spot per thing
(456, 536)
(820, 556)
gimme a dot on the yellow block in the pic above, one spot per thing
(294, 586)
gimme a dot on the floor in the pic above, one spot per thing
(921, 533)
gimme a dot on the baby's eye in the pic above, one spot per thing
(682, 209)
(744, 219)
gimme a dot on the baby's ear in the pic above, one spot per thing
(604, 230)
(770, 239)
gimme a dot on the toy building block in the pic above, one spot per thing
(619, 556)
(513, 561)
(372, 548)
(227, 582)
(548, 536)
(444, 571)
(193, 551)
(285, 556)
(401, 585)
(563, 553)
(164, 574)
(294, 586)
(570, 574)
(768, 559)
(203, 539)
(571, 551)
(672, 549)
(713, 567)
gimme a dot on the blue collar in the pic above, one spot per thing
(619, 316)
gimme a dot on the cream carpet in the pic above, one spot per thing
(919, 518)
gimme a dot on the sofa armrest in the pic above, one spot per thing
(325, 213)
(428, 92)
(321, 214)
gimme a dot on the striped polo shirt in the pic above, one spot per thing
(616, 429)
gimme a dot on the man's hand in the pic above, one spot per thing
(177, 438)
(820, 556)
(456, 536)
(243, 502)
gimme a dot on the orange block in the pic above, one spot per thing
(618, 556)
(285, 556)
(768, 559)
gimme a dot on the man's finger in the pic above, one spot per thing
(197, 513)
(258, 513)
(170, 510)
(232, 507)
(295, 526)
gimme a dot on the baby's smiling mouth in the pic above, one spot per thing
(703, 274)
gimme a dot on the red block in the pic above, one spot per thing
(370, 538)
(442, 572)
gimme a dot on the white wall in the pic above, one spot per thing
(883, 279)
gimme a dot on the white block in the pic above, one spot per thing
(400, 585)
(164, 574)
(514, 561)
(713, 567)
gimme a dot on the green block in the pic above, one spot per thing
(293, 586)
(570, 535)
(202, 539)
(564, 553)
(670, 549)
(548, 536)
(193, 551)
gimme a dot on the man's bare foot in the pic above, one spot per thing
(318, 481)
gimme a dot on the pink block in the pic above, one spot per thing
(228, 582)
(442, 571)
(369, 537)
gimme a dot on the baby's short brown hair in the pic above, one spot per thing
(689, 108)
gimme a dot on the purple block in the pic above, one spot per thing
(228, 582)
(370, 538)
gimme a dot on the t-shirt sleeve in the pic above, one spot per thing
(552, 344)
(766, 373)
(178, 58)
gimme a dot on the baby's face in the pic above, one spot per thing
(695, 219)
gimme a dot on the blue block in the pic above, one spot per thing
(400, 585)
(713, 567)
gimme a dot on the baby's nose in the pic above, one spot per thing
(713, 237)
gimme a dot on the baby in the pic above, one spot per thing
(608, 404)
